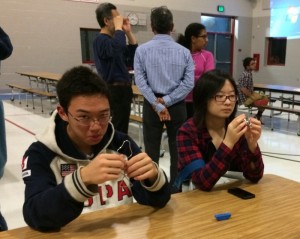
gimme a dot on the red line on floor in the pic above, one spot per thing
(19, 126)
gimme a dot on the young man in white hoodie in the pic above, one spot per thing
(81, 161)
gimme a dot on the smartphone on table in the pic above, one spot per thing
(241, 193)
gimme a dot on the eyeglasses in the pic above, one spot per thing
(88, 121)
(223, 98)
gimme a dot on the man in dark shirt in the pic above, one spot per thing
(6, 49)
(110, 48)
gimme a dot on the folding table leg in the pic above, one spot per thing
(42, 104)
(33, 107)
(272, 118)
(298, 133)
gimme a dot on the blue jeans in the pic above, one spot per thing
(3, 153)
(3, 225)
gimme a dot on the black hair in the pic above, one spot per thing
(78, 81)
(193, 29)
(161, 20)
(104, 11)
(246, 61)
(209, 84)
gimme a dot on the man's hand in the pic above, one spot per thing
(161, 101)
(164, 115)
(104, 167)
(118, 22)
(141, 167)
(126, 25)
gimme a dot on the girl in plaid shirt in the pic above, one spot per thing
(215, 134)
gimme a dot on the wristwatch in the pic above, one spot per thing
(133, 18)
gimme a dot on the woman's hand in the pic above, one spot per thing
(235, 130)
(253, 133)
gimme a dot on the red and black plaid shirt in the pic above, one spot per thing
(194, 145)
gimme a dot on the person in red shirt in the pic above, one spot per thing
(216, 136)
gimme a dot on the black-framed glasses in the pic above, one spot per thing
(223, 98)
(89, 121)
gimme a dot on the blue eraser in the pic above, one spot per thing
(223, 216)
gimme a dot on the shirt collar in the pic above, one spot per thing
(163, 37)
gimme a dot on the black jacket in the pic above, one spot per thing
(6, 47)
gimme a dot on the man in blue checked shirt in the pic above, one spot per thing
(164, 73)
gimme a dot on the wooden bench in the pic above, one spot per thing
(21, 89)
(32, 92)
(281, 109)
(136, 118)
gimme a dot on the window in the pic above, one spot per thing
(220, 31)
(87, 37)
(276, 51)
(217, 23)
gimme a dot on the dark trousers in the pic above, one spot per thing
(121, 98)
(189, 109)
(153, 129)
(3, 225)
